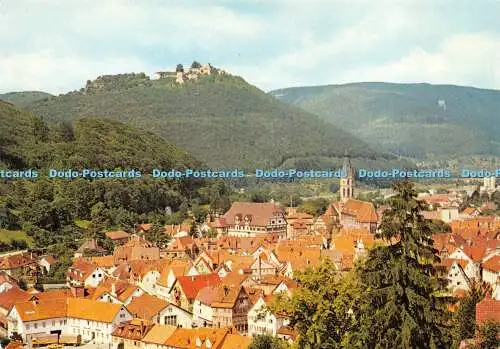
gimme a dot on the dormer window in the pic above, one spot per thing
(237, 218)
(198, 342)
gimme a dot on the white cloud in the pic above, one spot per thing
(55, 45)
(52, 73)
(466, 59)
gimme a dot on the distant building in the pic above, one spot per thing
(489, 185)
(251, 219)
(347, 181)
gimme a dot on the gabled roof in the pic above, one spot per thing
(104, 261)
(13, 296)
(186, 338)
(191, 285)
(49, 259)
(226, 296)
(159, 334)
(146, 306)
(17, 260)
(236, 341)
(86, 309)
(178, 267)
(487, 309)
(475, 253)
(492, 264)
(117, 235)
(122, 289)
(448, 262)
(363, 211)
(259, 213)
(135, 329)
(42, 310)
(81, 269)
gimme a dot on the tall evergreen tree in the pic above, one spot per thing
(406, 307)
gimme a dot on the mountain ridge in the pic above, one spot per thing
(221, 119)
(417, 120)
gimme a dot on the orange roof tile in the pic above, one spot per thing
(475, 253)
(146, 306)
(492, 264)
(117, 235)
(487, 309)
(13, 296)
(236, 341)
(86, 309)
(42, 310)
(104, 261)
(364, 211)
(187, 338)
(159, 334)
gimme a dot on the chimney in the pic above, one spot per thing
(113, 289)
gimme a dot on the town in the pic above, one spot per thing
(214, 286)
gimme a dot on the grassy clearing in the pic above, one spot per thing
(7, 236)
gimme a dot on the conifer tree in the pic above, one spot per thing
(406, 307)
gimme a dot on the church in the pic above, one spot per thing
(349, 212)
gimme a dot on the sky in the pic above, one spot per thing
(57, 45)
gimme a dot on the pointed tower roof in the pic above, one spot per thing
(347, 167)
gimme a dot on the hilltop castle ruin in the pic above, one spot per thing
(192, 73)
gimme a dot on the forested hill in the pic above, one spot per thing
(221, 119)
(24, 98)
(27, 141)
(416, 120)
(48, 209)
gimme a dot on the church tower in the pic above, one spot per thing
(347, 180)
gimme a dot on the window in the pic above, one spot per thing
(27, 326)
(171, 320)
(43, 324)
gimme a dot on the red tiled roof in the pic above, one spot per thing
(17, 260)
(191, 285)
(364, 211)
(13, 296)
(492, 264)
(80, 269)
(475, 253)
(117, 235)
(487, 309)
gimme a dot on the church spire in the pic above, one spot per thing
(347, 181)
